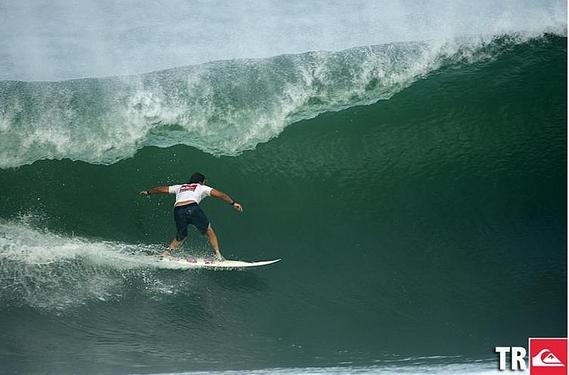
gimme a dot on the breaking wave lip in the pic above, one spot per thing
(54, 272)
(223, 108)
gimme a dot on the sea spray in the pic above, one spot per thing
(222, 108)
(50, 271)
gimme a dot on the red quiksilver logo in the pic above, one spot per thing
(548, 356)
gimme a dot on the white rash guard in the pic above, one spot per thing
(190, 192)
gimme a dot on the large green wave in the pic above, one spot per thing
(432, 223)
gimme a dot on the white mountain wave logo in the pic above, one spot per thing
(546, 358)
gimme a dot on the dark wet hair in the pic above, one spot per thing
(197, 178)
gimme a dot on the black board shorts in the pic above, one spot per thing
(189, 214)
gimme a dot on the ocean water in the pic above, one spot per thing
(415, 190)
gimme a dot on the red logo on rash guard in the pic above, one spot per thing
(548, 356)
(190, 187)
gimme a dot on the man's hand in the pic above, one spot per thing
(155, 190)
(238, 207)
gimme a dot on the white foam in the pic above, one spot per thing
(475, 368)
(50, 271)
(221, 108)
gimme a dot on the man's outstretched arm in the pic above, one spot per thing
(226, 198)
(159, 189)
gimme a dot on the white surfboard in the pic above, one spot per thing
(214, 264)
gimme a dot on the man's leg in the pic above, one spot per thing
(181, 231)
(173, 246)
(214, 243)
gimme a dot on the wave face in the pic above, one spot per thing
(419, 231)
(222, 108)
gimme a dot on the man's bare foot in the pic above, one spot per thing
(165, 254)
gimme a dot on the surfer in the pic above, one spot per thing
(187, 210)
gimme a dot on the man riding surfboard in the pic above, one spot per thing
(187, 209)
